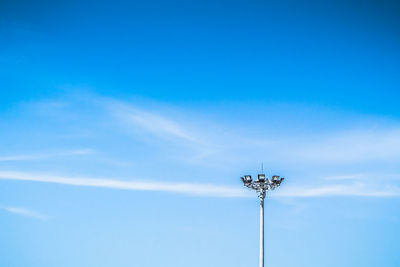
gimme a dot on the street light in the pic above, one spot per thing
(262, 185)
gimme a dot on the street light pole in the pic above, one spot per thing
(262, 232)
(261, 186)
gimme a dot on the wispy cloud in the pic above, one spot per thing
(25, 212)
(151, 122)
(210, 190)
(157, 127)
(352, 146)
(356, 189)
(40, 156)
(371, 176)
(183, 188)
(339, 145)
(185, 142)
(344, 177)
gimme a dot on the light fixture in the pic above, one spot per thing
(261, 186)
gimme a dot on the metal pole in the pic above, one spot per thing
(262, 232)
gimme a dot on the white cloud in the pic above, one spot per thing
(208, 141)
(371, 176)
(356, 176)
(25, 212)
(184, 188)
(185, 140)
(356, 189)
(157, 127)
(40, 156)
(150, 122)
(358, 145)
(344, 146)
(210, 190)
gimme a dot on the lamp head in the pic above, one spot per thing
(275, 178)
(247, 179)
(261, 178)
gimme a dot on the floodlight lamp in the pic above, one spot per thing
(275, 178)
(261, 178)
(248, 178)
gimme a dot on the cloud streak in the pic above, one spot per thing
(164, 130)
(353, 146)
(339, 146)
(208, 190)
(25, 212)
(355, 189)
(183, 188)
(152, 123)
(181, 141)
(40, 156)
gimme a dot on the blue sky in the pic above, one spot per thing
(125, 126)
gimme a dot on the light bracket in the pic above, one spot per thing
(262, 184)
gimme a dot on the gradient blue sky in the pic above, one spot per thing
(125, 126)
